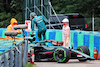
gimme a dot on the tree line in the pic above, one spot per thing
(10, 9)
(87, 8)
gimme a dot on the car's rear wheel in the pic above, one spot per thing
(62, 55)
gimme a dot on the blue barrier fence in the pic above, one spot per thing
(78, 38)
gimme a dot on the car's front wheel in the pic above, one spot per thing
(83, 49)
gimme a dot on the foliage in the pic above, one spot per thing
(87, 8)
(10, 9)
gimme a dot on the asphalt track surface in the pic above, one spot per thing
(70, 63)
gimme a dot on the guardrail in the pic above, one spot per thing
(15, 57)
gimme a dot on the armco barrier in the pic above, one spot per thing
(15, 57)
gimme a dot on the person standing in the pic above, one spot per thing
(13, 22)
(66, 33)
(40, 22)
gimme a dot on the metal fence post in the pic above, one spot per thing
(25, 55)
(0, 62)
(11, 59)
(20, 56)
(16, 58)
(93, 23)
(5, 61)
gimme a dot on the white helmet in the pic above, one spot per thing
(65, 20)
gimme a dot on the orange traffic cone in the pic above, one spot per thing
(99, 53)
(95, 53)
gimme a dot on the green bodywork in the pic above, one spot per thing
(54, 48)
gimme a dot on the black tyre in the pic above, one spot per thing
(61, 55)
(83, 49)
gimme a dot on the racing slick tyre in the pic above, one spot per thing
(62, 55)
(83, 49)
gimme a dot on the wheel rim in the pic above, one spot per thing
(60, 55)
(79, 49)
(81, 59)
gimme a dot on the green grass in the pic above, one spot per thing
(29, 64)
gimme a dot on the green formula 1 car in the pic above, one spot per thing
(59, 53)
